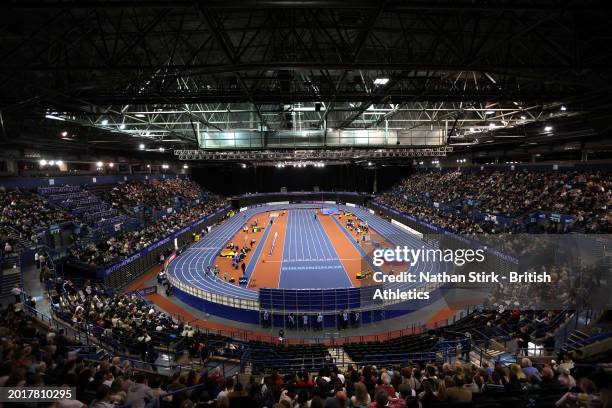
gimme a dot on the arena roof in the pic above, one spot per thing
(241, 74)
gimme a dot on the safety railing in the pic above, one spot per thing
(125, 271)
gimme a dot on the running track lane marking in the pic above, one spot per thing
(259, 249)
(304, 230)
(241, 239)
(349, 256)
(266, 273)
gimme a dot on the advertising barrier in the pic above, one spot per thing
(126, 270)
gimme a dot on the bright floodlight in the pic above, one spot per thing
(491, 125)
(185, 166)
(43, 162)
(64, 133)
(104, 122)
(122, 126)
(381, 81)
(563, 108)
(111, 165)
(51, 162)
(161, 149)
(99, 164)
(54, 117)
(369, 163)
(141, 146)
(548, 129)
(59, 162)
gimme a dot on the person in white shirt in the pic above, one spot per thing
(16, 291)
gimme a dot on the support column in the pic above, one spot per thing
(375, 187)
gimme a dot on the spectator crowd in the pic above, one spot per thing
(113, 249)
(28, 214)
(35, 356)
(157, 194)
(584, 196)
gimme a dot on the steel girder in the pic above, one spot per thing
(453, 61)
(324, 154)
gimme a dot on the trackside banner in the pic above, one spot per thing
(161, 242)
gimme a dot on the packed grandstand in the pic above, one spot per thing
(305, 204)
(107, 342)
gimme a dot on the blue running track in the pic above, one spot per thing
(309, 258)
(189, 267)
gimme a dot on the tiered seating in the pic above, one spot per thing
(464, 202)
(266, 357)
(400, 350)
(152, 195)
(28, 214)
(85, 205)
(578, 339)
(10, 273)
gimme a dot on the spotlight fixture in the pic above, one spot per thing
(161, 149)
(49, 116)
(122, 126)
(111, 165)
(104, 122)
(43, 162)
(99, 164)
(381, 81)
(141, 146)
(548, 128)
(185, 166)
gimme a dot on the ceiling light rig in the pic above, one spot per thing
(311, 155)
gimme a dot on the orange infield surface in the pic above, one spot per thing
(241, 239)
(267, 271)
(349, 256)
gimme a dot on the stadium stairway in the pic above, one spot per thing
(10, 274)
(480, 355)
(579, 339)
(340, 357)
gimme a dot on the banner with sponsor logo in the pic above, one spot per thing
(154, 246)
